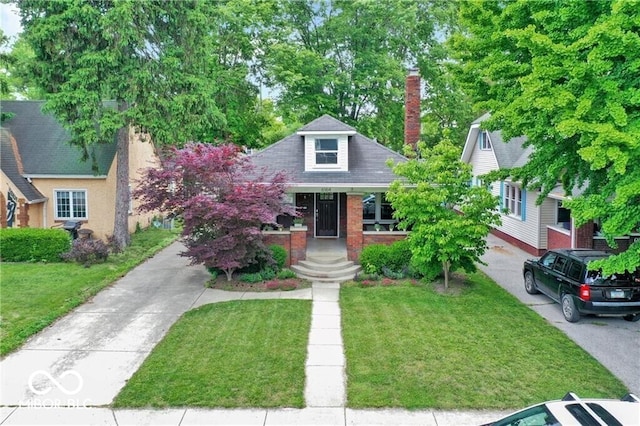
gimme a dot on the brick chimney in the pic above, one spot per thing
(412, 108)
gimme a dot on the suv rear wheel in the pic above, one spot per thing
(530, 284)
(569, 309)
(632, 317)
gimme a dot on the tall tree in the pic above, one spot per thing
(150, 57)
(565, 74)
(449, 219)
(349, 59)
(223, 199)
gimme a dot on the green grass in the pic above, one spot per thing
(408, 346)
(33, 295)
(235, 354)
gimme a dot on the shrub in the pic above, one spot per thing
(33, 244)
(268, 274)
(286, 273)
(279, 254)
(395, 275)
(251, 278)
(87, 251)
(374, 257)
(398, 256)
(272, 285)
(288, 285)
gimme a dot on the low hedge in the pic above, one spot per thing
(377, 258)
(33, 244)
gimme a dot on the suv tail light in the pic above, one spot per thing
(585, 292)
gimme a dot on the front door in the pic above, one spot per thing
(327, 214)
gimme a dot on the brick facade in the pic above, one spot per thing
(280, 238)
(558, 239)
(298, 244)
(3, 211)
(584, 235)
(387, 238)
(599, 243)
(516, 242)
(354, 226)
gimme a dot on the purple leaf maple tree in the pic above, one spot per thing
(223, 200)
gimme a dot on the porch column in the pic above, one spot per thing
(3, 211)
(584, 235)
(354, 226)
(23, 213)
(298, 244)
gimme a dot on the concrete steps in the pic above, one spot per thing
(327, 268)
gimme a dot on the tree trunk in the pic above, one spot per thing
(229, 273)
(121, 223)
(445, 266)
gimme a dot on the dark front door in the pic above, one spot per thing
(327, 214)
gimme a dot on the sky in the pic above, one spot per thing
(9, 20)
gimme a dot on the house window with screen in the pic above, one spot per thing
(483, 141)
(326, 151)
(376, 209)
(70, 204)
(513, 199)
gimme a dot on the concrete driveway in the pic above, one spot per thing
(614, 342)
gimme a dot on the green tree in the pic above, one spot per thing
(15, 72)
(448, 218)
(565, 74)
(150, 57)
(350, 58)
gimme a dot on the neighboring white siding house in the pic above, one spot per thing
(525, 223)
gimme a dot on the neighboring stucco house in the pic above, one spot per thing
(51, 184)
(534, 228)
(338, 179)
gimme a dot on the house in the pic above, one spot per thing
(338, 179)
(532, 227)
(44, 182)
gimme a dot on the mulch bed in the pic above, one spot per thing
(288, 284)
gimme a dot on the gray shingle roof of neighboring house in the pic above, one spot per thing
(508, 154)
(11, 165)
(43, 143)
(367, 158)
(326, 123)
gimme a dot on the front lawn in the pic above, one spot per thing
(33, 295)
(408, 346)
(247, 353)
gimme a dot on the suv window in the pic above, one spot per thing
(560, 263)
(575, 271)
(548, 259)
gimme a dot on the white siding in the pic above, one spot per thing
(547, 217)
(526, 230)
(482, 161)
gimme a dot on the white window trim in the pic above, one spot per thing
(55, 203)
(484, 142)
(514, 201)
(335, 165)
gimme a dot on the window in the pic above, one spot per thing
(512, 200)
(326, 151)
(559, 265)
(575, 271)
(483, 141)
(71, 204)
(548, 259)
(377, 209)
(563, 216)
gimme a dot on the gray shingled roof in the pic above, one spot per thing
(367, 158)
(326, 123)
(43, 143)
(509, 154)
(10, 165)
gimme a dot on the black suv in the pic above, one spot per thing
(562, 274)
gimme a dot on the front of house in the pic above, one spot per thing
(338, 179)
(533, 227)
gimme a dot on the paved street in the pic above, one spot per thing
(611, 340)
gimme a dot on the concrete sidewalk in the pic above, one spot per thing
(70, 371)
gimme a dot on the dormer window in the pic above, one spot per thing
(483, 141)
(326, 151)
